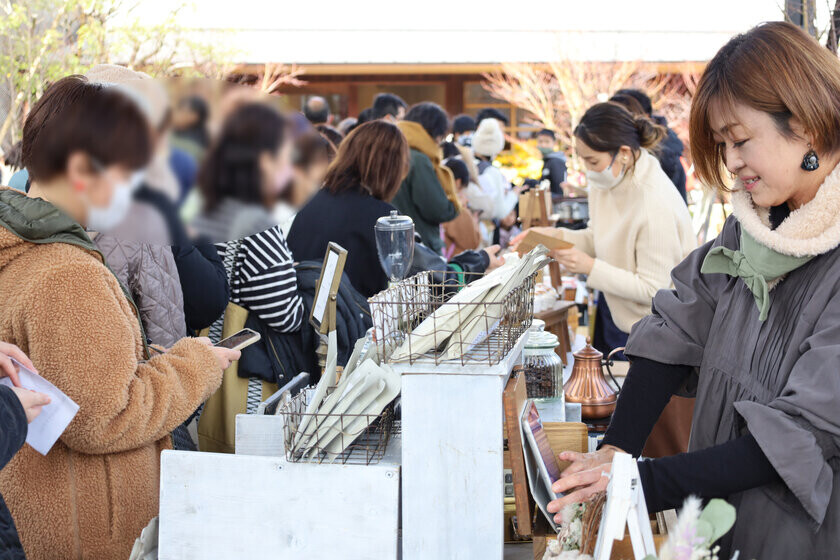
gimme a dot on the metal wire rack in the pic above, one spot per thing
(480, 333)
(351, 439)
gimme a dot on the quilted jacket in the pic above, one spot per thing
(139, 253)
(12, 434)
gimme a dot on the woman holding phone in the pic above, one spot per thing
(95, 491)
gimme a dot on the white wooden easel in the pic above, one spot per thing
(625, 507)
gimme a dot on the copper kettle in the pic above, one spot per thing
(588, 386)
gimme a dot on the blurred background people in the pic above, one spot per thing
(487, 142)
(311, 157)
(427, 194)
(317, 110)
(554, 161)
(387, 106)
(189, 126)
(246, 170)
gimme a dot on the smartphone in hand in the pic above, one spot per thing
(240, 340)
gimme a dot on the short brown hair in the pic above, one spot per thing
(76, 115)
(775, 68)
(374, 157)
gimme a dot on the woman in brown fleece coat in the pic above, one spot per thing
(91, 496)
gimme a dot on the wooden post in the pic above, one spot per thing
(537, 196)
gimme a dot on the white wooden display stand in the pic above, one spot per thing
(255, 504)
(452, 432)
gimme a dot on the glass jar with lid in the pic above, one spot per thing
(543, 367)
(395, 244)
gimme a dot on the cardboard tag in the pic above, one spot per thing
(533, 238)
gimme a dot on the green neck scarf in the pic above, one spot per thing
(756, 264)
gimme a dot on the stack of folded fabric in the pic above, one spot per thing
(332, 422)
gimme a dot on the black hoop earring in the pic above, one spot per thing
(811, 161)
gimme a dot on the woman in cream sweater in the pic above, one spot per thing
(639, 227)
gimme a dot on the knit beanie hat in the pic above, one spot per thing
(146, 92)
(153, 101)
(488, 139)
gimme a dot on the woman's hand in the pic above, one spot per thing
(495, 260)
(224, 356)
(7, 368)
(585, 477)
(31, 401)
(574, 260)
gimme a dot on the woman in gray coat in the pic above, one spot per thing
(753, 321)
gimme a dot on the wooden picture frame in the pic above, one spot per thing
(322, 315)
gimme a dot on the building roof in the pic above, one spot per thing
(447, 32)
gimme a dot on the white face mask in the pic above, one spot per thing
(107, 218)
(604, 180)
(466, 140)
(137, 179)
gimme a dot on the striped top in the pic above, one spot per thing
(263, 279)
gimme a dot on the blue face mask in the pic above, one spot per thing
(466, 139)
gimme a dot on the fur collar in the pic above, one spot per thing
(811, 230)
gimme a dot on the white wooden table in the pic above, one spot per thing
(452, 428)
(251, 506)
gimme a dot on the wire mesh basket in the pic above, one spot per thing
(480, 333)
(347, 439)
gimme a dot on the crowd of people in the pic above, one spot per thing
(133, 227)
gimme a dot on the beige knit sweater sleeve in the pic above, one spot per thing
(658, 247)
(583, 239)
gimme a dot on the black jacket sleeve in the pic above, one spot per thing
(471, 261)
(204, 283)
(13, 425)
(647, 389)
(715, 472)
(203, 277)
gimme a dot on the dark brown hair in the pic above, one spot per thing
(374, 157)
(775, 68)
(312, 148)
(76, 115)
(629, 102)
(331, 134)
(231, 167)
(606, 127)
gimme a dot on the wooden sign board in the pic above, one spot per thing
(322, 316)
(562, 436)
(534, 238)
(529, 205)
(514, 398)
